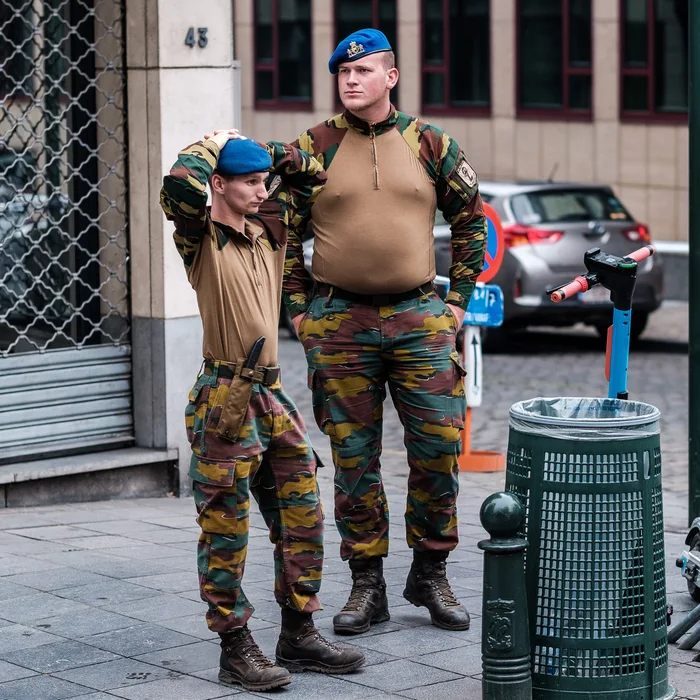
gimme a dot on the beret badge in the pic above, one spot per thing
(355, 49)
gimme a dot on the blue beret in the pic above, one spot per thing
(358, 45)
(243, 156)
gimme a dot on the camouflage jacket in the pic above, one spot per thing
(296, 180)
(456, 189)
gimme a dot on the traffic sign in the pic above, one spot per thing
(472, 363)
(485, 307)
(495, 245)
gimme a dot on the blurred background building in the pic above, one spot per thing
(100, 337)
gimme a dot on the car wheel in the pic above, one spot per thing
(639, 324)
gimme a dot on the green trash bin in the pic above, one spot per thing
(589, 474)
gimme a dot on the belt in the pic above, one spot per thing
(266, 376)
(326, 290)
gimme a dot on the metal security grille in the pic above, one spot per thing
(63, 223)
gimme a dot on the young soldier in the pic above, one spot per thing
(376, 319)
(246, 434)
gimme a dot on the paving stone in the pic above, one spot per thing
(107, 592)
(11, 672)
(305, 686)
(186, 659)
(139, 639)
(63, 577)
(401, 675)
(159, 607)
(12, 564)
(169, 583)
(196, 625)
(174, 688)
(51, 532)
(409, 642)
(77, 626)
(463, 660)
(38, 605)
(114, 674)
(9, 589)
(60, 656)
(460, 689)
(20, 637)
(41, 688)
(124, 527)
(100, 542)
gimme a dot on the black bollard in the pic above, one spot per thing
(505, 637)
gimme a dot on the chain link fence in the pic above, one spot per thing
(63, 178)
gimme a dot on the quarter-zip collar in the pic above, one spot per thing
(223, 233)
(366, 128)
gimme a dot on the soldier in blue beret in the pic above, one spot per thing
(369, 316)
(234, 254)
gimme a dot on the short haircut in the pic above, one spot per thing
(389, 60)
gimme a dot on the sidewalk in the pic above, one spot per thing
(99, 600)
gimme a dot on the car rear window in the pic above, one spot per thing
(568, 205)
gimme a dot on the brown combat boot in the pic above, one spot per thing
(243, 663)
(427, 586)
(367, 603)
(302, 648)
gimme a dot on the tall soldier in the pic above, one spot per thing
(376, 319)
(246, 433)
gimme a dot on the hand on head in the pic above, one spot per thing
(221, 136)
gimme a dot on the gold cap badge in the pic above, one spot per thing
(355, 49)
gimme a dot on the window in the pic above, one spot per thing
(456, 56)
(283, 54)
(359, 14)
(554, 58)
(16, 48)
(654, 61)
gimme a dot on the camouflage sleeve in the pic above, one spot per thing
(297, 288)
(459, 200)
(183, 196)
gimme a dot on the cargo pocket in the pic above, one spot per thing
(459, 397)
(221, 473)
(196, 412)
(234, 408)
(318, 401)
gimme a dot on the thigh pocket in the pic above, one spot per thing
(320, 405)
(221, 473)
(196, 412)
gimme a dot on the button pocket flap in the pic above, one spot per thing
(454, 356)
(216, 473)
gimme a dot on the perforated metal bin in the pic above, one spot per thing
(589, 474)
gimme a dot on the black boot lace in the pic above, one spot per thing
(437, 580)
(246, 647)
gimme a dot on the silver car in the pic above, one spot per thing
(548, 226)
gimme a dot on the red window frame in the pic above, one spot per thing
(650, 116)
(563, 113)
(375, 25)
(446, 109)
(276, 104)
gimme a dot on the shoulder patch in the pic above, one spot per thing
(274, 185)
(464, 172)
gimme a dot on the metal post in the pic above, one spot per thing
(694, 262)
(505, 636)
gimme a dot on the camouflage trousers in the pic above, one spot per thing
(272, 459)
(353, 351)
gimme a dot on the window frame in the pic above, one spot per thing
(563, 113)
(447, 109)
(650, 116)
(276, 104)
(375, 25)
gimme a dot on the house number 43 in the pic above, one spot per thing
(202, 39)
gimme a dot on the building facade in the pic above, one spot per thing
(589, 90)
(100, 336)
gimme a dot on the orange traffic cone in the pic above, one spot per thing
(478, 460)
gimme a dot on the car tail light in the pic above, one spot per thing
(638, 234)
(519, 234)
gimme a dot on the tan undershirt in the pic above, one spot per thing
(374, 241)
(238, 293)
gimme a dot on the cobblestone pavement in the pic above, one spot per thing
(100, 600)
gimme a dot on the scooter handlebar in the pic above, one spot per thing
(642, 253)
(577, 285)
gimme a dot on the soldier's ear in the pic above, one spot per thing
(392, 77)
(216, 182)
